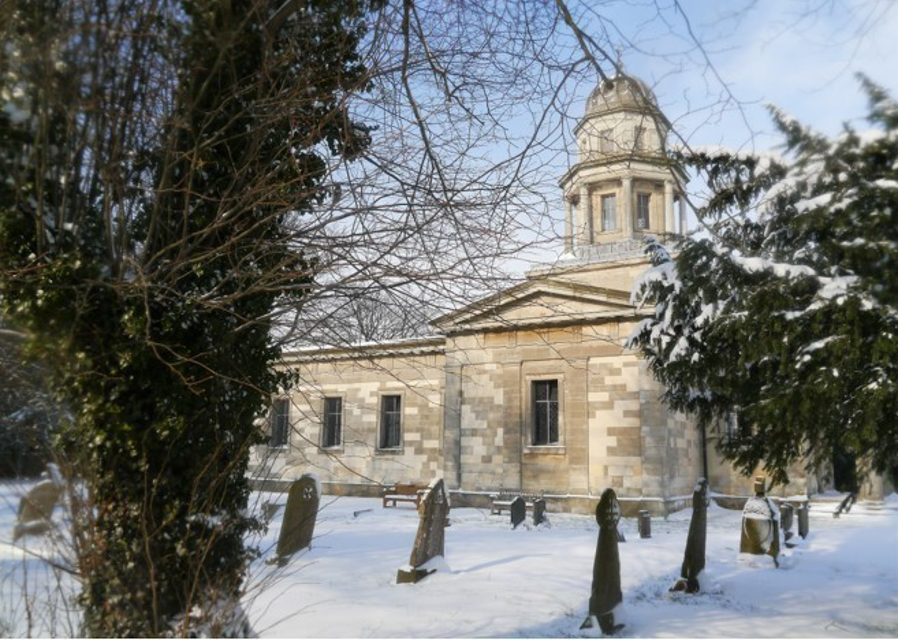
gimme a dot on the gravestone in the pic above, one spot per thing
(539, 512)
(760, 526)
(645, 524)
(694, 558)
(269, 509)
(36, 507)
(786, 517)
(299, 516)
(606, 591)
(518, 512)
(433, 513)
(803, 520)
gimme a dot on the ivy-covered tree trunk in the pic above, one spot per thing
(154, 155)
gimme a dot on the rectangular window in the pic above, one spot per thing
(545, 412)
(639, 139)
(390, 422)
(642, 210)
(733, 427)
(332, 420)
(280, 423)
(606, 141)
(609, 213)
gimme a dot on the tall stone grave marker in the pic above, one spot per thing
(298, 525)
(606, 592)
(539, 512)
(518, 512)
(760, 526)
(694, 558)
(433, 512)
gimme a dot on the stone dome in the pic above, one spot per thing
(621, 92)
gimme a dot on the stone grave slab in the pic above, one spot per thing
(433, 513)
(539, 512)
(36, 507)
(606, 587)
(804, 525)
(694, 557)
(760, 525)
(518, 512)
(298, 525)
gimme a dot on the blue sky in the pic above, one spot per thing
(797, 54)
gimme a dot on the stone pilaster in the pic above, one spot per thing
(452, 400)
(627, 208)
(669, 223)
(585, 209)
(568, 225)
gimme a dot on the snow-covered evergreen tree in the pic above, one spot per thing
(786, 310)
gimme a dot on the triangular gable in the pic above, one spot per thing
(538, 300)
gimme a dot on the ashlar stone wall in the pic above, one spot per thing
(361, 383)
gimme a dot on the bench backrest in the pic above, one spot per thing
(405, 489)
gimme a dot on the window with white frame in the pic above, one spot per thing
(545, 412)
(332, 422)
(390, 422)
(609, 213)
(642, 210)
(279, 423)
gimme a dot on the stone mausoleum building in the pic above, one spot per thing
(531, 389)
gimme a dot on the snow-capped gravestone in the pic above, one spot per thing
(760, 525)
(539, 512)
(645, 524)
(694, 558)
(36, 507)
(433, 513)
(606, 592)
(518, 512)
(298, 525)
(803, 520)
(786, 517)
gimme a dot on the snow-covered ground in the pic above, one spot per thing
(843, 581)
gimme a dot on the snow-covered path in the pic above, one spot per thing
(843, 581)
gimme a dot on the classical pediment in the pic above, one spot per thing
(535, 302)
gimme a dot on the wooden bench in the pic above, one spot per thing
(502, 501)
(403, 493)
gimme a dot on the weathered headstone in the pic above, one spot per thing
(606, 592)
(645, 524)
(803, 520)
(298, 525)
(36, 507)
(269, 509)
(433, 513)
(518, 512)
(694, 558)
(760, 526)
(539, 512)
(786, 517)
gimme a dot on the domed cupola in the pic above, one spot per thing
(621, 92)
(623, 186)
